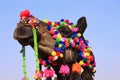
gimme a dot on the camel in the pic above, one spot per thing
(48, 43)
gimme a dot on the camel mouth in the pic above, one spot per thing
(23, 35)
(25, 41)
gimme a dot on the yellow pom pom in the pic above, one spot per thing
(53, 23)
(70, 27)
(61, 55)
(79, 35)
(53, 53)
(60, 45)
(35, 77)
(45, 20)
(94, 69)
(81, 62)
(87, 54)
(59, 35)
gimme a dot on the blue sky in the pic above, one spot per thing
(103, 19)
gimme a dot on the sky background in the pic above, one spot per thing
(103, 19)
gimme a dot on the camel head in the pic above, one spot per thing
(46, 42)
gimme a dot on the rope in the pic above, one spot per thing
(24, 64)
(36, 49)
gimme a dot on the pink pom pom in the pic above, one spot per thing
(49, 73)
(55, 36)
(73, 44)
(39, 75)
(66, 44)
(23, 78)
(64, 69)
(74, 29)
(65, 39)
(52, 31)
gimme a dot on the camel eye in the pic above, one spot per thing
(65, 31)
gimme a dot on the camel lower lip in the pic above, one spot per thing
(26, 41)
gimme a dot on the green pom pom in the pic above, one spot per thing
(74, 25)
(89, 49)
(90, 66)
(69, 39)
(57, 39)
(57, 27)
(76, 46)
(62, 23)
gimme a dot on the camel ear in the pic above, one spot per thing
(82, 24)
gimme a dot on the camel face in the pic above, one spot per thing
(23, 33)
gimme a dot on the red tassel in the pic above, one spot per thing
(25, 13)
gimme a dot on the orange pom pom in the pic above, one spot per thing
(76, 67)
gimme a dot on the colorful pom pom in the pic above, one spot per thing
(53, 53)
(25, 78)
(61, 55)
(48, 73)
(55, 36)
(25, 13)
(67, 21)
(59, 35)
(78, 34)
(94, 70)
(76, 67)
(52, 31)
(62, 20)
(81, 62)
(38, 75)
(62, 23)
(49, 23)
(64, 69)
(45, 20)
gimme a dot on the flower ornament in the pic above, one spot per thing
(64, 69)
(48, 73)
(76, 67)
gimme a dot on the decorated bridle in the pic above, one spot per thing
(61, 43)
